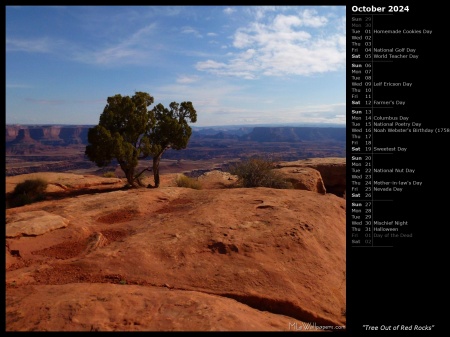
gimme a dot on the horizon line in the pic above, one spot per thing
(201, 126)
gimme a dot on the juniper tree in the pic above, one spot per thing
(171, 131)
(121, 133)
(128, 132)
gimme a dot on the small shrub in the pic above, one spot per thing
(183, 181)
(27, 192)
(110, 174)
(257, 172)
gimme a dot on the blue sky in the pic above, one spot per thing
(237, 65)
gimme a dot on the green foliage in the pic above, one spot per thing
(128, 132)
(258, 172)
(27, 192)
(121, 133)
(109, 174)
(183, 181)
(171, 130)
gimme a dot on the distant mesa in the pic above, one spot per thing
(61, 147)
(47, 135)
(295, 134)
(55, 135)
(24, 136)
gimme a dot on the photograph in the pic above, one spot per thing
(212, 168)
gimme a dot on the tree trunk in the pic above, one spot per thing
(129, 174)
(130, 177)
(136, 178)
(156, 161)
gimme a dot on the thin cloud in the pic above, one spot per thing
(134, 49)
(46, 101)
(329, 113)
(229, 10)
(91, 101)
(321, 108)
(217, 104)
(190, 30)
(261, 11)
(187, 79)
(210, 65)
(208, 96)
(41, 45)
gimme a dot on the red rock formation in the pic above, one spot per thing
(177, 259)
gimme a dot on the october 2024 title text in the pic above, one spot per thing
(374, 9)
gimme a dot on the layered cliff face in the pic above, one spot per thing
(77, 134)
(12, 131)
(27, 140)
(46, 135)
(23, 143)
(24, 136)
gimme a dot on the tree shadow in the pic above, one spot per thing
(68, 193)
(83, 191)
